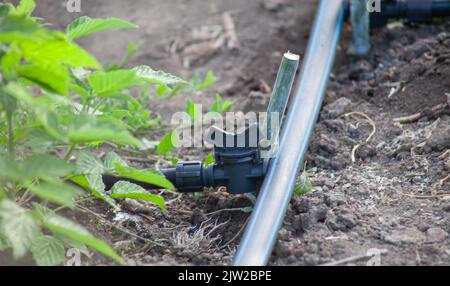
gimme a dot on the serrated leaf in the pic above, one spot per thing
(157, 77)
(88, 163)
(75, 231)
(147, 176)
(168, 143)
(85, 26)
(127, 190)
(56, 192)
(112, 81)
(18, 227)
(94, 184)
(47, 251)
(111, 159)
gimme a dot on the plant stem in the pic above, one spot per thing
(69, 152)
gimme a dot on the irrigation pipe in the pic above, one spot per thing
(260, 235)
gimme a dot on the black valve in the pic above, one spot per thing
(238, 167)
(411, 10)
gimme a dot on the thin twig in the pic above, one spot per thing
(434, 196)
(435, 110)
(225, 210)
(444, 180)
(444, 155)
(374, 130)
(353, 258)
(100, 218)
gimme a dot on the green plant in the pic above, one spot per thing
(55, 98)
(221, 106)
(303, 185)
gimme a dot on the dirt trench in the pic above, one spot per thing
(379, 159)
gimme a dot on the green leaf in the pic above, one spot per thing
(4, 243)
(60, 51)
(220, 107)
(47, 251)
(25, 7)
(70, 229)
(10, 61)
(148, 176)
(94, 184)
(303, 185)
(127, 190)
(113, 81)
(209, 80)
(85, 26)
(72, 243)
(209, 160)
(56, 192)
(87, 128)
(14, 28)
(157, 77)
(193, 111)
(45, 166)
(168, 143)
(111, 159)
(88, 163)
(56, 78)
(10, 169)
(227, 105)
(18, 227)
(217, 105)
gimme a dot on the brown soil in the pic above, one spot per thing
(394, 195)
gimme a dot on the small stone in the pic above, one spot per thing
(440, 137)
(403, 236)
(338, 107)
(436, 234)
(340, 220)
